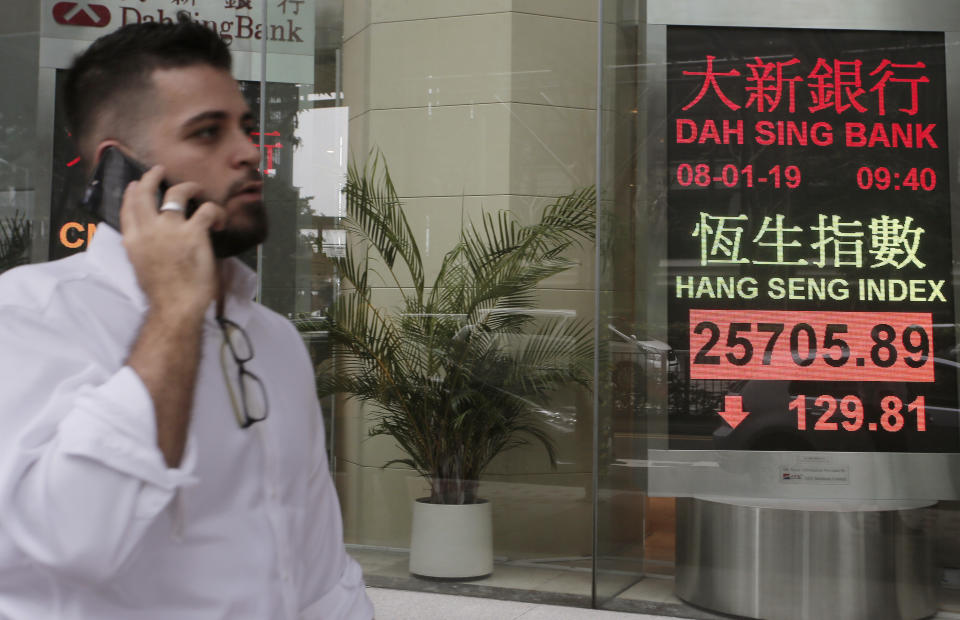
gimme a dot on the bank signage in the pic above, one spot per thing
(289, 28)
(809, 241)
(87, 14)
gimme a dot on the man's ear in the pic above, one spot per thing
(104, 144)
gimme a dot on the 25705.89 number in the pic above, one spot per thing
(828, 345)
(803, 344)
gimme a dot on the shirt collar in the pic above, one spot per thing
(241, 289)
(107, 253)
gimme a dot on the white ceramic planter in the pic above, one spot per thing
(451, 541)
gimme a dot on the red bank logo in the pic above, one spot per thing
(81, 14)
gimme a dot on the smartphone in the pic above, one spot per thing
(103, 195)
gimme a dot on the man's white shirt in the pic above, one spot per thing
(93, 525)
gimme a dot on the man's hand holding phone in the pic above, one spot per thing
(173, 259)
(171, 254)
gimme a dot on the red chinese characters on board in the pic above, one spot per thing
(766, 83)
(891, 73)
(830, 85)
(836, 86)
(710, 84)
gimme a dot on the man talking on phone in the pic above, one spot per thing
(161, 445)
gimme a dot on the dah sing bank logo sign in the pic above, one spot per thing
(289, 24)
(81, 14)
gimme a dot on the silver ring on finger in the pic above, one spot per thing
(172, 205)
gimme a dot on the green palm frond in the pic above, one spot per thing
(375, 211)
(462, 369)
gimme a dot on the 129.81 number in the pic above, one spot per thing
(892, 419)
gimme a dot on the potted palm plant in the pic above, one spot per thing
(461, 369)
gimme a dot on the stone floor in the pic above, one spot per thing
(565, 582)
(408, 605)
(532, 590)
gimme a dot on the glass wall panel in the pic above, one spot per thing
(788, 413)
(478, 109)
(303, 138)
(20, 222)
(632, 540)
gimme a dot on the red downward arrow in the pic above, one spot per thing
(733, 411)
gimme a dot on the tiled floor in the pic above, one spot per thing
(407, 605)
(566, 582)
(525, 576)
(533, 590)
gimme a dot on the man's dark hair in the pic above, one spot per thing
(121, 63)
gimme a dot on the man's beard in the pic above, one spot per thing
(234, 240)
(251, 227)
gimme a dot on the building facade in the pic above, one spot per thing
(772, 425)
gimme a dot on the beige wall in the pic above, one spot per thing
(477, 105)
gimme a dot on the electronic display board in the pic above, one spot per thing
(809, 241)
